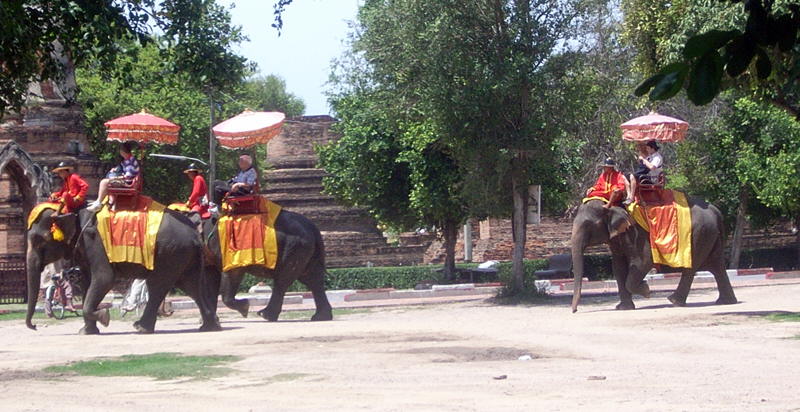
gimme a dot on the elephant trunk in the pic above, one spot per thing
(578, 245)
(34, 267)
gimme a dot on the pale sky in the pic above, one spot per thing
(313, 34)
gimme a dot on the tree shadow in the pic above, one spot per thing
(778, 314)
(167, 331)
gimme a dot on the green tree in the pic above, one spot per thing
(757, 44)
(395, 169)
(475, 71)
(268, 93)
(35, 34)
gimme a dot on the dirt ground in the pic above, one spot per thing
(443, 357)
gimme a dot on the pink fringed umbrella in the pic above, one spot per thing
(142, 127)
(654, 127)
(248, 128)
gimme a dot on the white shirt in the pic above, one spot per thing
(656, 161)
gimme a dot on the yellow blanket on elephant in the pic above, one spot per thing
(38, 209)
(247, 240)
(130, 235)
(670, 228)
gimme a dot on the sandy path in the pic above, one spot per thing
(444, 357)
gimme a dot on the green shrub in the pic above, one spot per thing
(400, 277)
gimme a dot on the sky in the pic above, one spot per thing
(313, 34)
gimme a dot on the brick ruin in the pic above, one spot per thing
(293, 180)
(31, 143)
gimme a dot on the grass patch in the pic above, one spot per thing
(161, 366)
(784, 317)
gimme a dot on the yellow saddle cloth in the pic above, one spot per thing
(247, 240)
(38, 209)
(130, 235)
(670, 228)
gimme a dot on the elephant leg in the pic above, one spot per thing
(726, 295)
(635, 283)
(678, 298)
(101, 283)
(207, 313)
(229, 284)
(157, 289)
(273, 308)
(316, 284)
(620, 267)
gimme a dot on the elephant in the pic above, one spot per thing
(631, 256)
(301, 256)
(179, 262)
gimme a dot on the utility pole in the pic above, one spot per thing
(212, 144)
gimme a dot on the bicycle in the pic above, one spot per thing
(61, 295)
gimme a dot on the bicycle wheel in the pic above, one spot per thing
(58, 306)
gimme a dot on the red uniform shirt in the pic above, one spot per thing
(72, 193)
(608, 183)
(199, 189)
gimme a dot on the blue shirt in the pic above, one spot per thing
(130, 167)
(247, 177)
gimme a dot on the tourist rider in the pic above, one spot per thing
(122, 175)
(611, 185)
(649, 167)
(198, 202)
(241, 184)
(72, 194)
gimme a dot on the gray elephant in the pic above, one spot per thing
(301, 257)
(178, 263)
(631, 255)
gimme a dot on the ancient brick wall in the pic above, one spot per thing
(292, 180)
(41, 134)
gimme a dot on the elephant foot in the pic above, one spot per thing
(211, 326)
(270, 317)
(104, 317)
(675, 301)
(244, 309)
(645, 290)
(322, 316)
(141, 329)
(625, 306)
(89, 330)
(728, 300)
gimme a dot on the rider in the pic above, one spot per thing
(197, 201)
(73, 192)
(122, 175)
(611, 184)
(241, 184)
(649, 168)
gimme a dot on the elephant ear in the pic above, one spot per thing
(618, 222)
(68, 223)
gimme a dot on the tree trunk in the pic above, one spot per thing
(450, 237)
(738, 232)
(518, 224)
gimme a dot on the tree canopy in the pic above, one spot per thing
(35, 33)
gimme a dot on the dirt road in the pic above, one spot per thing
(445, 357)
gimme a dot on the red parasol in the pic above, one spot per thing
(142, 127)
(248, 128)
(654, 127)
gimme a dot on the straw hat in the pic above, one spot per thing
(63, 166)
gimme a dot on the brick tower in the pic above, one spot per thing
(294, 181)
